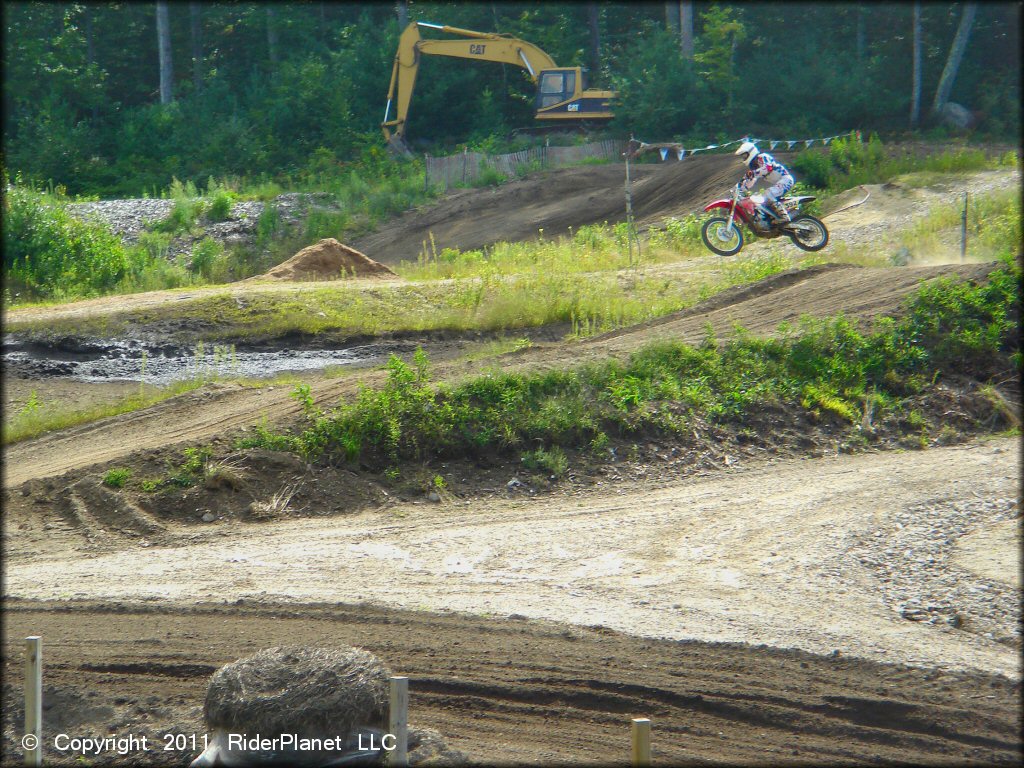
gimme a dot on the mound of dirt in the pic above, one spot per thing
(327, 260)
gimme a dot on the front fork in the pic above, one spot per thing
(732, 212)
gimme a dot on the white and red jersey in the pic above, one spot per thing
(764, 167)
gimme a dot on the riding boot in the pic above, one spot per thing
(779, 210)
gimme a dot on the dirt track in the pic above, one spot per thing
(521, 692)
(219, 408)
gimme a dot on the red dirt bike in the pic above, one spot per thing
(723, 235)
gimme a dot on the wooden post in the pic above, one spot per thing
(465, 157)
(398, 721)
(963, 232)
(641, 741)
(426, 172)
(630, 227)
(32, 740)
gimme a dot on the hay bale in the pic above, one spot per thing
(328, 260)
(306, 691)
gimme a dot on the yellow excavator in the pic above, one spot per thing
(562, 93)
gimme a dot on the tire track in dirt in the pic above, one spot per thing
(220, 409)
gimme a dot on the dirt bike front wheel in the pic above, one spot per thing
(720, 237)
(807, 233)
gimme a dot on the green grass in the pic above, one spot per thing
(848, 163)
(591, 248)
(830, 368)
(492, 302)
(36, 418)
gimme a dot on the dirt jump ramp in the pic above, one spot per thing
(548, 205)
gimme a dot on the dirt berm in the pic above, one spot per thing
(550, 205)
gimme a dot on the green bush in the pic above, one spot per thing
(221, 199)
(813, 168)
(205, 255)
(50, 254)
(552, 462)
(187, 210)
(116, 478)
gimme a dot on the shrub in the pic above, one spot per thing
(814, 168)
(116, 478)
(552, 462)
(204, 256)
(188, 208)
(48, 253)
(221, 199)
(830, 366)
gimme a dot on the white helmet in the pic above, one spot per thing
(747, 152)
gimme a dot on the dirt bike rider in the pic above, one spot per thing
(761, 165)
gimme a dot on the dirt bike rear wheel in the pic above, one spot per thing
(719, 238)
(807, 233)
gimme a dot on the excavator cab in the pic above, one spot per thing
(562, 94)
(556, 86)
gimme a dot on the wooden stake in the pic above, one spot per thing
(641, 741)
(963, 232)
(398, 721)
(33, 701)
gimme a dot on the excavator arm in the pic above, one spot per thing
(482, 46)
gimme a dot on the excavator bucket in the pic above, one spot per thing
(398, 147)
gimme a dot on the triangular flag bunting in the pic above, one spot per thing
(682, 153)
(789, 144)
(808, 142)
(771, 144)
(664, 153)
(826, 141)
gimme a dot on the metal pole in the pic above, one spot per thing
(963, 232)
(32, 740)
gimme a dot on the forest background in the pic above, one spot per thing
(118, 99)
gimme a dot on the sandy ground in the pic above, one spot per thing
(993, 553)
(755, 556)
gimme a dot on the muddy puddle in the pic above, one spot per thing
(161, 364)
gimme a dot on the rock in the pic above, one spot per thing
(434, 496)
(209, 517)
(956, 116)
(514, 484)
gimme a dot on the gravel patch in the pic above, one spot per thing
(129, 219)
(911, 556)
